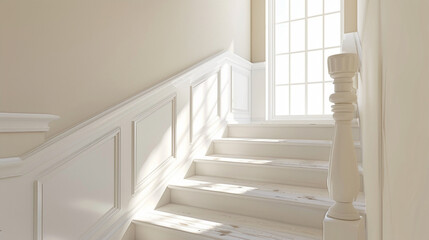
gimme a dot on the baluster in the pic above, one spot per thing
(342, 220)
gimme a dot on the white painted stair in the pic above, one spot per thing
(262, 181)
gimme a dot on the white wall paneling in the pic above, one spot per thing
(241, 89)
(154, 140)
(205, 103)
(88, 182)
(81, 192)
(259, 92)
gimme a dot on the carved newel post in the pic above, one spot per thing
(342, 220)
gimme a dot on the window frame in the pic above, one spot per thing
(270, 59)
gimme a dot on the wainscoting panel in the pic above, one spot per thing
(259, 92)
(71, 204)
(241, 89)
(205, 108)
(154, 140)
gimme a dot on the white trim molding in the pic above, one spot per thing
(258, 66)
(25, 122)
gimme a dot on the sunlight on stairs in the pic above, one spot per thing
(262, 181)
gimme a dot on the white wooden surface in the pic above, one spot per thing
(153, 140)
(259, 92)
(85, 186)
(274, 130)
(343, 176)
(25, 122)
(239, 193)
(181, 221)
(88, 182)
(241, 110)
(276, 148)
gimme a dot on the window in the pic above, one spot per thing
(301, 36)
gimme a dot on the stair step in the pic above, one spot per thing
(319, 131)
(309, 173)
(174, 222)
(277, 148)
(298, 172)
(277, 202)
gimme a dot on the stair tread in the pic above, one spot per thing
(265, 161)
(282, 125)
(312, 197)
(304, 142)
(223, 226)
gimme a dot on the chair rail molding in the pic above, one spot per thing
(107, 168)
(21, 132)
(25, 122)
(342, 220)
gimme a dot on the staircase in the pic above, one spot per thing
(261, 181)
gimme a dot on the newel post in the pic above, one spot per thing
(342, 221)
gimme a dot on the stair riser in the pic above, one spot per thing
(145, 231)
(274, 150)
(307, 132)
(282, 175)
(305, 177)
(281, 211)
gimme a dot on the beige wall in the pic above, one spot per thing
(77, 58)
(370, 110)
(258, 30)
(395, 117)
(405, 58)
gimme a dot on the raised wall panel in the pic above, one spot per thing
(258, 94)
(74, 198)
(154, 140)
(240, 90)
(205, 104)
(225, 90)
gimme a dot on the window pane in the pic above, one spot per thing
(297, 34)
(314, 7)
(282, 38)
(297, 9)
(332, 30)
(297, 93)
(282, 69)
(306, 33)
(314, 98)
(329, 52)
(332, 6)
(282, 100)
(314, 33)
(315, 66)
(329, 89)
(297, 68)
(282, 10)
